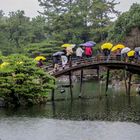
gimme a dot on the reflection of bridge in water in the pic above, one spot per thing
(94, 63)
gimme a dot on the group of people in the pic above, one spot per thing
(62, 58)
(66, 56)
(84, 51)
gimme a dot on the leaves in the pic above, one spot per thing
(24, 78)
(73, 20)
(125, 23)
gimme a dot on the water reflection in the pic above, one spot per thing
(110, 108)
(95, 116)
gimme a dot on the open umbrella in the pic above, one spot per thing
(68, 45)
(131, 53)
(125, 50)
(92, 42)
(118, 46)
(40, 57)
(88, 44)
(59, 53)
(106, 46)
(137, 49)
(82, 45)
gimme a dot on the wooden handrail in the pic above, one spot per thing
(95, 59)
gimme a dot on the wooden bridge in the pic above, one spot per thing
(130, 67)
(95, 63)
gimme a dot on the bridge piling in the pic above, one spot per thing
(81, 83)
(70, 81)
(52, 97)
(98, 74)
(112, 64)
(107, 80)
(125, 82)
(129, 83)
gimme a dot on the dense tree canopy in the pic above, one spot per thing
(125, 23)
(70, 20)
(17, 30)
(19, 34)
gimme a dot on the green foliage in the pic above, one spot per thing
(66, 21)
(78, 21)
(45, 48)
(125, 23)
(22, 80)
(17, 31)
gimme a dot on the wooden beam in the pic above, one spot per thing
(98, 73)
(129, 84)
(81, 82)
(52, 98)
(70, 81)
(107, 80)
(125, 78)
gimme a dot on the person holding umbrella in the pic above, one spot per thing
(79, 52)
(40, 63)
(56, 58)
(124, 52)
(106, 47)
(88, 49)
(40, 60)
(64, 59)
(69, 51)
(137, 54)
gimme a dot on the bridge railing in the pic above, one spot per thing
(74, 61)
(94, 59)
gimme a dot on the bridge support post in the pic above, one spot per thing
(70, 61)
(125, 78)
(129, 84)
(107, 80)
(81, 83)
(52, 98)
(98, 74)
(70, 81)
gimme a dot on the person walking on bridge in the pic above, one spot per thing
(40, 63)
(64, 59)
(79, 53)
(88, 54)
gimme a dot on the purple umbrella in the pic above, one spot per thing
(92, 42)
(88, 44)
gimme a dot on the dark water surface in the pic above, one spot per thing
(115, 117)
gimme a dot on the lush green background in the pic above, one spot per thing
(62, 21)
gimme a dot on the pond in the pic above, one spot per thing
(93, 117)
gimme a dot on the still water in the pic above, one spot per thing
(94, 117)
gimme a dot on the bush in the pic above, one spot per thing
(21, 79)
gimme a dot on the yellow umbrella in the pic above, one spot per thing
(68, 45)
(107, 46)
(131, 53)
(40, 57)
(118, 46)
